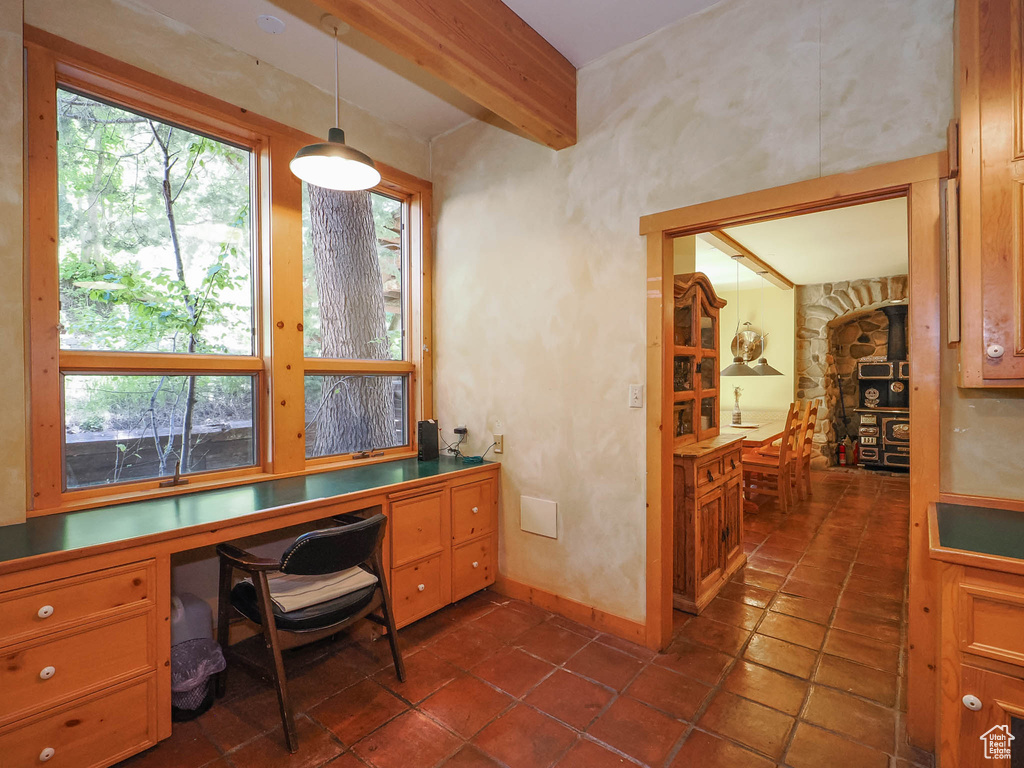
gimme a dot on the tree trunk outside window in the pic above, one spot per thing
(355, 414)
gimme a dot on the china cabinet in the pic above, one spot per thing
(695, 362)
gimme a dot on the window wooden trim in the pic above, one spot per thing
(278, 363)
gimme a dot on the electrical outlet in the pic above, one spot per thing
(636, 395)
(499, 443)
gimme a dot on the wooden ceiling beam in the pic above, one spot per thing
(749, 259)
(483, 50)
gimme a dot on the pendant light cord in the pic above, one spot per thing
(337, 97)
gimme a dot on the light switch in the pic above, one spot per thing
(636, 395)
(538, 516)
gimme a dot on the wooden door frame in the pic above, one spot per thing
(919, 180)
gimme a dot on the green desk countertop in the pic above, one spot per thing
(68, 531)
(985, 530)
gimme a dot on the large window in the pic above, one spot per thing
(173, 332)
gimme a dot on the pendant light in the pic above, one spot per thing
(739, 366)
(333, 164)
(762, 368)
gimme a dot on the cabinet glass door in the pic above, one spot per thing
(683, 326)
(708, 413)
(683, 375)
(708, 332)
(682, 419)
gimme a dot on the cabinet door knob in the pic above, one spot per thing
(733, 463)
(995, 350)
(475, 510)
(973, 703)
(47, 754)
(45, 612)
(421, 587)
(476, 564)
(711, 478)
(47, 672)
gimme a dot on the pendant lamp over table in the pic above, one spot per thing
(762, 368)
(739, 366)
(333, 164)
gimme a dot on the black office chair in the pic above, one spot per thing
(355, 542)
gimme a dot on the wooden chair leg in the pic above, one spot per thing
(798, 480)
(223, 622)
(783, 487)
(274, 647)
(389, 618)
(807, 476)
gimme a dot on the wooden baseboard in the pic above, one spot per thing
(588, 615)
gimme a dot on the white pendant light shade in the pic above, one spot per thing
(763, 369)
(335, 165)
(738, 368)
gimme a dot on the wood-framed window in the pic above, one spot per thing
(194, 308)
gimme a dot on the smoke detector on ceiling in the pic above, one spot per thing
(270, 24)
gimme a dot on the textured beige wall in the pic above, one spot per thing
(763, 393)
(140, 36)
(12, 340)
(982, 438)
(541, 283)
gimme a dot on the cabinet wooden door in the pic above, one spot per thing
(732, 520)
(992, 191)
(708, 540)
(993, 736)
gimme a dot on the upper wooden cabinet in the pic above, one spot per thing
(990, 95)
(695, 360)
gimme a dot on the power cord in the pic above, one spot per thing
(478, 459)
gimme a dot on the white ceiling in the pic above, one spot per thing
(859, 241)
(584, 30)
(388, 86)
(306, 51)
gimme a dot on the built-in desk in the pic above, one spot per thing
(87, 594)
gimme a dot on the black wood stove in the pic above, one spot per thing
(884, 410)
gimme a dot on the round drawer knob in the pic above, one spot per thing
(46, 754)
(45, 612)
(476, 564)
(973, 703)
(421, 587)
(995, 350)
(475, 510)
(47, 672)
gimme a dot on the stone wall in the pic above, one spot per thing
(821, 311)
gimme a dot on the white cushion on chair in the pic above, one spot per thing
(291, 592)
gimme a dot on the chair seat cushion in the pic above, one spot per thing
(318, 616)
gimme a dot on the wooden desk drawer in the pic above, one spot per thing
(50, 607)
(473, 510)
(46, 672)
(416, 525)
(417, 590)
(472, 567)
(992, 621)
(92, 734)
(709, 472)
(733, 462)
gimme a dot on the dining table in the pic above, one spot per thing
(754, 438)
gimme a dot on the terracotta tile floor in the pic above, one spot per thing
(799, 662)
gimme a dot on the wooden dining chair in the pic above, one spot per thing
(321, 556)
(769, 475)
(800, 460)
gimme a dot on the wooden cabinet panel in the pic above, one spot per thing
(732, 520)
(418, 589)
(56, 605)
(417, 527)
(43, 673)
(474, 511)
(473, 567)
(992, 622)
(93, 733)
(709, 536)
(1001, 715)
(708, 472)
(992, 191)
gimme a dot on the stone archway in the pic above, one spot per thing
(820, 310)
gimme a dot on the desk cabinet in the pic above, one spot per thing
(78, 668)
(983, 658)
(443, 545)
(708, 520)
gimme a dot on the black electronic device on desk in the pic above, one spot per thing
(427, 440)
(884, 411)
